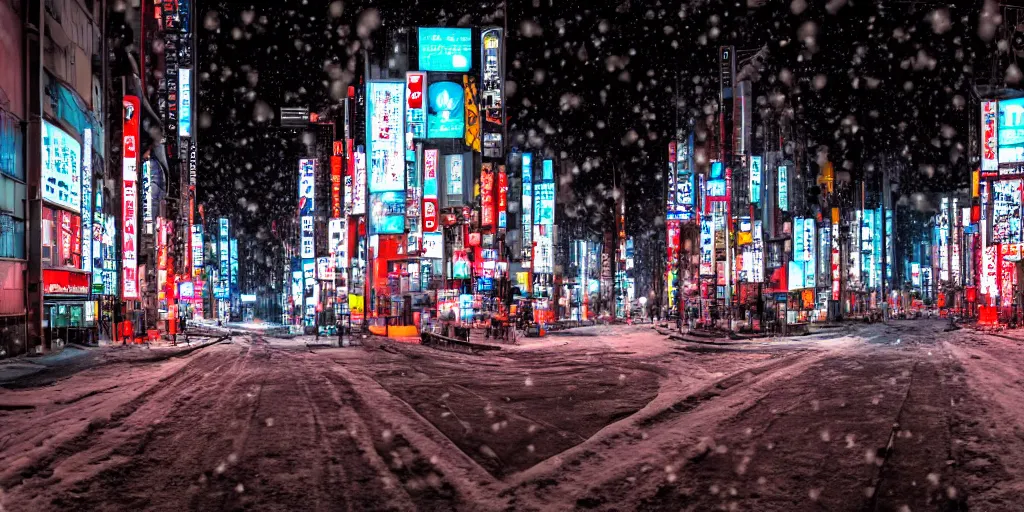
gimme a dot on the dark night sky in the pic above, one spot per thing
(597, 81)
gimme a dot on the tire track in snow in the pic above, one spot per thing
(622, 449)
(95, 428)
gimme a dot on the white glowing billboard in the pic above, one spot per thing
(385, 135)
(130, 199)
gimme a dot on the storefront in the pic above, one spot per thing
(68, 314)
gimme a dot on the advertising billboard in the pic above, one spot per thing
(670, 175)
(146, 196)
(487, 195)
(184, 102)
(385, 134)
(492, 84)
(307, 196)
(197, 247)
(446, 116)
(755, 179)
(359, 185)
(717, 170)
(707, 247)
(62, 154)
(430, 157)
(432, 245)
(97, 244)
(86, 212)
(527, 204)
(324, 269)
(1010, 138)
(63, 282)
(415, 104)
(387, 213)
(492, 90)
(472, 115)
(110, 281)
(445, 49)
(1006, 213)
(337, 240)
(454, 169)
(544, 255)
(430, 215)
(502, 197)
(544, 204)
(756, 267)
(336, 186)
(129, 199)
(234, 264)
(989, 271)
(223, 248)
(430, 204)
(795, 274)
(297, 287)
(808, 245)
(798, 239)
(684, 196)
(716, 190)
(310, 290)
(783, 188)
(989, 146)
(187, 290)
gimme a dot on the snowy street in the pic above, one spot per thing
(867, 417)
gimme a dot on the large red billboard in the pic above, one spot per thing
(129, 199)
(65, 282)
(486, 196)
(429, 214)
(335, 187)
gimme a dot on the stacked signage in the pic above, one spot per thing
(544, 220)
(803, 267)
(223, 290)
(197, 246)
(492, 91)
(307, 174)
(527, 174)
(385, 150)
(129, 200)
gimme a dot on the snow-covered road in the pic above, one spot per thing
(870, 417)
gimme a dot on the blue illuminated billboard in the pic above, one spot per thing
(1011, 131)
(717, 170)
(544, 203)
(446, 117)
(445, 49)
(387, 213)
(548, 170)
(755, 179)
(185, 103)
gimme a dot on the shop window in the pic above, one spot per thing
(49, 253)
(12, 222)
(61, 239)
(12, 237)
(11, 142)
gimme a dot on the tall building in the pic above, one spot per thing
(13, 113)
(65, 153)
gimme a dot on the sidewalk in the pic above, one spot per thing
(75, 358)
(24, 365)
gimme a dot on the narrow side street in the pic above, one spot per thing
(873, 417)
